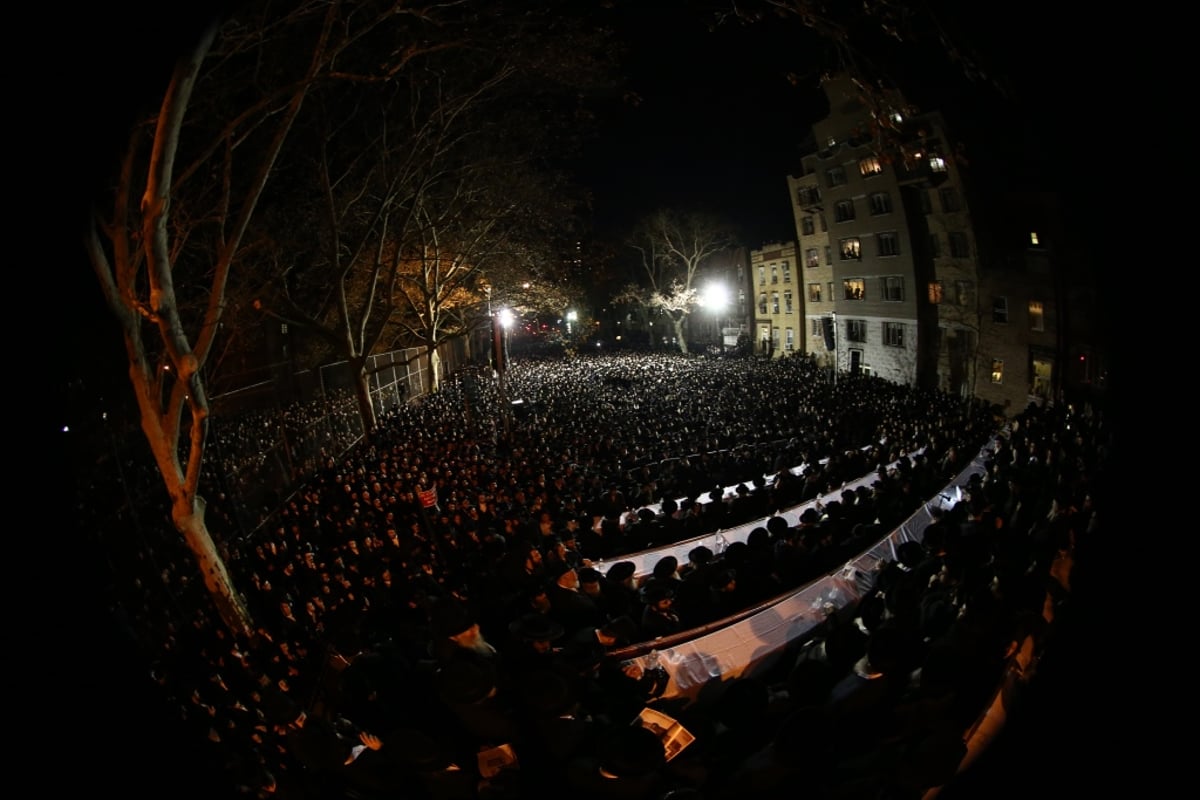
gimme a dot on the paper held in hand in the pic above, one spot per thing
(673, 735)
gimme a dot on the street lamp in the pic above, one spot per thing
(506, 321)
(715, 298)
(500, 325)
(571, 317)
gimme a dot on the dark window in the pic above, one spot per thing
(843, 211)
(958, 245)
(889, 243)
(807, 227)
(881, 203)
(1000, 310)
(808, 195)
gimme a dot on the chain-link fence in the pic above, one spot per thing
(269, 436)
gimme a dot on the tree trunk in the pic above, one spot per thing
(435, 370)
(362, 392)
(189, 521)
(683, 345)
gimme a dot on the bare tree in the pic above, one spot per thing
(673, 247)
(184, 198)
(430, 199)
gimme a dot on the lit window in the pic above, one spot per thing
(997, 370)
(856, 330)
(843, 211)
(835, 176)
(775, 337)
(762, 275)
(893, 334)
(774, 302)
(807, 227)
(787, 302)
(774, 273)
(810, 258)
(1033, 239)
(1037, 320)
(888, 243)
(814, 293)
(1000, 310)
(937, 163)
(893, 288)
(789, 342)
(935, 292)
(881, 203)
(851, 249)
(855, 288)
(870, 166)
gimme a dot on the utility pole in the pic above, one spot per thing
(833, 314)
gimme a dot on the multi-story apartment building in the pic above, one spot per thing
(894, 281)
(877, 230)
(778, 308)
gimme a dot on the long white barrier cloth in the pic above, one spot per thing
(645, 560)
(756, 642)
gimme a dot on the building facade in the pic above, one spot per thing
(894, 281)
(778, 308)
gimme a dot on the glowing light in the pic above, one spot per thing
(715, 297)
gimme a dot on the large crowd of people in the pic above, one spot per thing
(431, 622)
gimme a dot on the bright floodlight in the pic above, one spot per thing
(506, 318)
(715, 297)
(572, 316)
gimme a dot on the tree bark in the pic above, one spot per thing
(683, 345)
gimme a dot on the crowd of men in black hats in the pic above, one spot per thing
(462, 650)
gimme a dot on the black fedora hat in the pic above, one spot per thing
(535, 628)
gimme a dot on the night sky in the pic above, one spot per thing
(717, 125)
